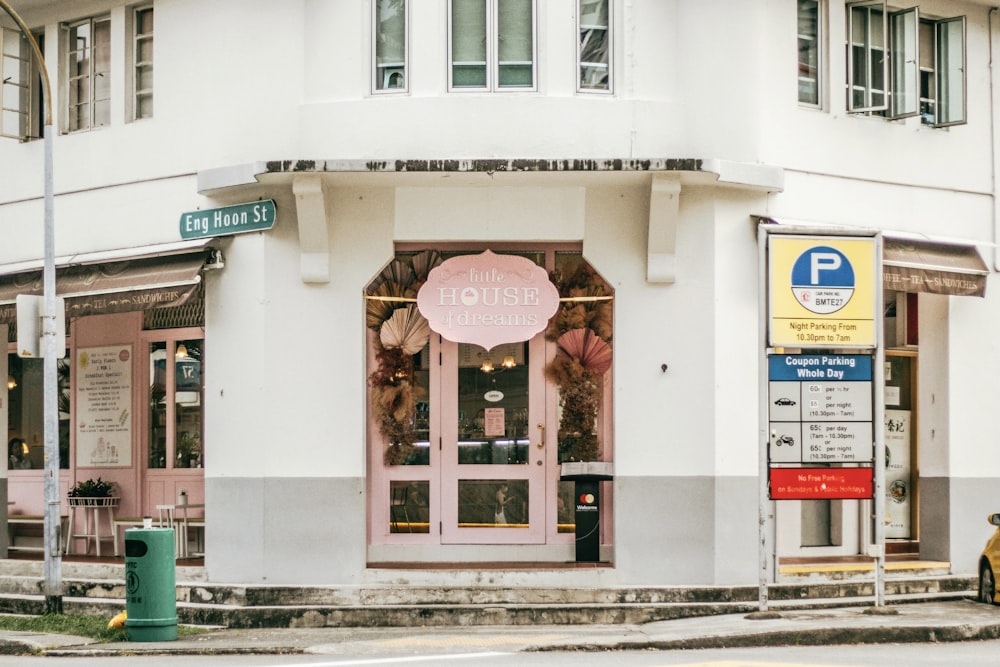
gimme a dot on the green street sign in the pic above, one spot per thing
(253, 217)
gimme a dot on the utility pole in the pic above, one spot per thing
(52, 527)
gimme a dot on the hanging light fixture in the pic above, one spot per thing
(182, 351)
(487, 366)
(11, 382)
(508, 362)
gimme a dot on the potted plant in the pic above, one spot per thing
(93, 493)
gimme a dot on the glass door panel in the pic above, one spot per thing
(494, 461)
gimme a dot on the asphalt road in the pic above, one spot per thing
(966, 654)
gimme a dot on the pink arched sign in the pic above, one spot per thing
(488, 299)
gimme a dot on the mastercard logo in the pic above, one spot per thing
(587, 498)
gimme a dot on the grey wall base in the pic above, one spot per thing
(305, 531)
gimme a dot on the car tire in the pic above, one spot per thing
(987, 584)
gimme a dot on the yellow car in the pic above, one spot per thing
(989, 561)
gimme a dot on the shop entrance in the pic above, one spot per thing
(478, 462)
(495, 461)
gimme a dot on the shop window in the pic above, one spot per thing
(901, 322)
(492, 44)
(409, 506)
(809, 52)
(390, 46)
(142, 63)
(595, 45)
(88, 69)
(901, 65)
(464, 440)
(25, 415)
(175, 403)
(495, 503)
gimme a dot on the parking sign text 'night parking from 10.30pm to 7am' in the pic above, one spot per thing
(822, 291)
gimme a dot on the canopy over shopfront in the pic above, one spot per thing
(101, 283)
(913, 263)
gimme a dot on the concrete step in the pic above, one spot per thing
(100, 589)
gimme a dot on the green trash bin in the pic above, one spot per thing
(150, 585)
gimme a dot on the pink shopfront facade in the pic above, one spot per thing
(488, 370)
(130, 392)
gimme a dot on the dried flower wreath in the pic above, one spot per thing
(402, 332)
(582, 331)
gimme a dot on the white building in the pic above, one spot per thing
(648, 137)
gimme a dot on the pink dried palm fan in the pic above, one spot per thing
(586, 347)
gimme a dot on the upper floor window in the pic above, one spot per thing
(20, 87)
(142, 63)
(900, 65)
(492, 44)
(390, 45)
(595, 45)
(942, 71)
(809, 52)
(88, 69)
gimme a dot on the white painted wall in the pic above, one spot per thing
(242, 81)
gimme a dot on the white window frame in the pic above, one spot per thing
(76, 124)
(955, 77)
(384, 73)
(135, 64)
(580, 64)
(904, 63)
(865, 44)
(818, 41)
(20, 87)
(493, 39)
(904, 70)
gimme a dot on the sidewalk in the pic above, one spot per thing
(921, 622)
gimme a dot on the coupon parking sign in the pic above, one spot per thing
(822, 291)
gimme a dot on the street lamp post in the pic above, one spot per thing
(53, 558)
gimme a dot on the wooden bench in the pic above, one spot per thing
(15, 520)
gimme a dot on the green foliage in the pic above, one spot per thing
(92, 626)
(92, 488)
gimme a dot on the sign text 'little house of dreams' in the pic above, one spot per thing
(488, 299)
(253, 217)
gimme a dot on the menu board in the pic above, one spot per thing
(104, 406)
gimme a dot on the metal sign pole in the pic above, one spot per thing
(878, 422)
(53, 558)
(765, 515)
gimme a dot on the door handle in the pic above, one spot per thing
(541, 442)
